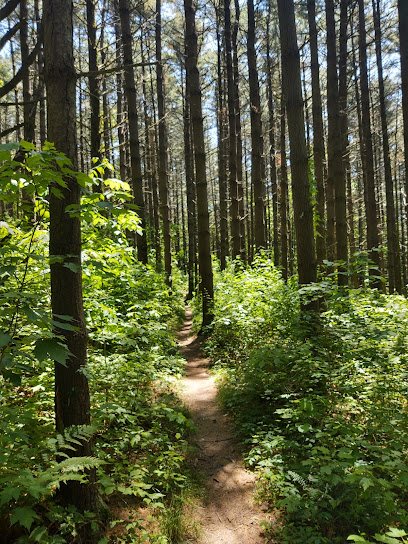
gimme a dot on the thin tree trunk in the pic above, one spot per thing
(303, 211)
(283, 192)
(371, 211)
(336, 176)
(72, 400)
(135, 161)
(94, 93)
(232, 163)
(256, 134)
(393, 253)
(272, 151)
(163, 176)
(318, 136)
(222, 164)
(204, 250)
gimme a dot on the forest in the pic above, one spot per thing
(203, 271)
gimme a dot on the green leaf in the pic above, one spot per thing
(366, 483)
(24, 516)
(39, 534)
(4, 339)
(356, 538)
(386, 539)
(74, 267)
(49, 348)
(399, 533)
(304, 428)
(9, 493)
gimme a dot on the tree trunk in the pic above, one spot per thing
(283, 192)
(370, 201)
(336, 176)
(256, 134)
(163, 159)
(403, 39)
(393, 253)
(222, 164)
(318, 136)
(272, 151)
(94, 94)
(303, 211)
(232, 163)
(72, 401)
(134, 146)
(204, 250)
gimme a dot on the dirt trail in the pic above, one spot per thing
(229, 515)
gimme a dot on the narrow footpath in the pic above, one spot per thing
(229, 514)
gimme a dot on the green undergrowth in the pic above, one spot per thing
(323, 414)
(139, 428)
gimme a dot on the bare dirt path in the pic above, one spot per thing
(229, 514)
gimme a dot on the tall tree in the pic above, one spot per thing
(292, 89)
(163, 159)
(134, 145)
(368, 162)
(72, 401)
(336, 177)
(204, 248)
(256, 133)
(318, 135)
(232, 157)
(393, 253)
(94, 94)
(403, 40)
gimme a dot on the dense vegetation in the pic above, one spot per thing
(323, 415)
(138, 426)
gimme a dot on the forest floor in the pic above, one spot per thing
(228, 514)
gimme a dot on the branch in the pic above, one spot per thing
(114, 70)
(6, 10)
(10, 85)
(10, 130)
(10, 34)
(7, 104)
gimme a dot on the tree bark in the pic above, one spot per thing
(303, 212)
(370, 201)
(72, 401)
(135, 160)
(256, 134)
(94, 94)
(336, 177)
(204, 248)
(163, 159)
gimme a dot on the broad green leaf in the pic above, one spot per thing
(24, 515)
(8, 494)
(4, 339)
(49, 348)
(399, 533)
(386, 539)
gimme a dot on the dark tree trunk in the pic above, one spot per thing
(318, 136)
(256, 134)
(283, 192)
(204, 249)
(370, 201)
(336, 176)
(163, 159)
(94, 94)
(134, 146)
(272, 152)
(238, 132)
(232, 163)
(403, 39)
(72, 401)
(222, 164)
(393, 253)
(303, 211)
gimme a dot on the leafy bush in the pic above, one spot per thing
(323, 416)
(139, 427)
